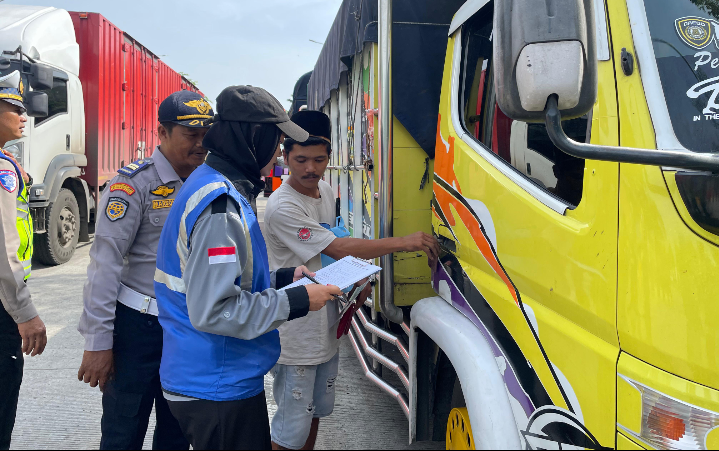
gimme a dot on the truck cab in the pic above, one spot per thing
(52, 149)
(594, 278)
(574, 301)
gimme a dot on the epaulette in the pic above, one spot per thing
(135, 168)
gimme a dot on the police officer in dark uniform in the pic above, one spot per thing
(123, 339)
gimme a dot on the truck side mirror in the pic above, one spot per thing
(37, 104)
(541, 48)
(41, 77)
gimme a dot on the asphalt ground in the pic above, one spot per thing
(58, 412)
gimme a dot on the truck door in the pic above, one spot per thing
(52, 135)
(531, 240)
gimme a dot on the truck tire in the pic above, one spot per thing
(58, 244)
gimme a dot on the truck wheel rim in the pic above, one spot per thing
(459, 431)
(66, 227)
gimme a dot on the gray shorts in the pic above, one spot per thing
(302, 393)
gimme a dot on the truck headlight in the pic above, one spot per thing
(668, 423)
(16, 150)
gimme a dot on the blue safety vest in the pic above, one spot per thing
(194, 363)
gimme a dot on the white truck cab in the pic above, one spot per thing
(52, 149)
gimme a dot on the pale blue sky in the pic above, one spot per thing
(220, 43)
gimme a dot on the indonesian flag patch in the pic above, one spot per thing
(219, 255)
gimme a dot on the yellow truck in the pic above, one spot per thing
(572, 183)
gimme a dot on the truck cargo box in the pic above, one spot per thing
(123, 86)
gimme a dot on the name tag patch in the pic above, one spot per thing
(116, 208)
(219, 255)
(164, 203)
(8, 180)
(124, 187)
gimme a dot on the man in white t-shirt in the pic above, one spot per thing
(304, 386)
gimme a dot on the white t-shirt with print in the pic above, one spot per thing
(295, 237)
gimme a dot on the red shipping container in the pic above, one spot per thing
(123, 85)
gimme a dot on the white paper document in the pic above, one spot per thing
(343, 273)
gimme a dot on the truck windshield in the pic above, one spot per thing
(685, 37)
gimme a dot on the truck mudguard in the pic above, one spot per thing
(490, 412)
(57, 173)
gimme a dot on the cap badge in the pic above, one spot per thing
(163, 191)
(21, 88)
(201, 105)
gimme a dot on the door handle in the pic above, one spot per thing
(67, 142)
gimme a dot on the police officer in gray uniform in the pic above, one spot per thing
(123, 338)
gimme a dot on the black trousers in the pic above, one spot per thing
(11, 365)
(225, 425)
(128, 398)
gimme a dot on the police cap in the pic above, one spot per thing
(186, 108)
(12, 89)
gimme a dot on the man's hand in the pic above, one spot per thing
(22, 170)
(34, 336)
(96, 368)
(320, 294)
(420, 241)
(298, 273)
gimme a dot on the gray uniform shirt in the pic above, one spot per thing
(130, 217)
(215, 302)
(14, 294)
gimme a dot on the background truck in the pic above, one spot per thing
(566, 155)
(106, 90)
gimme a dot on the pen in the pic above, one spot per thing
(313, 280)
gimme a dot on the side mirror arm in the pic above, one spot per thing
(667, 158)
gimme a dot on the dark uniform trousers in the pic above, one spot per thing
(11, 365)
(225, 425)
(129, 396)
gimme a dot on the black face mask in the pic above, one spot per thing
(239, 151)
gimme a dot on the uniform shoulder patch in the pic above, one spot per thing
(304, 234)
(8, 180)
(135, 168)
(127, 189)
(116, 208)
(163, 191)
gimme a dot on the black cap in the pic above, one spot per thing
(316, 123)
(186, 108)
(250, 104)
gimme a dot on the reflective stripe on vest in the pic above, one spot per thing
(194, 363)
(25, 230)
